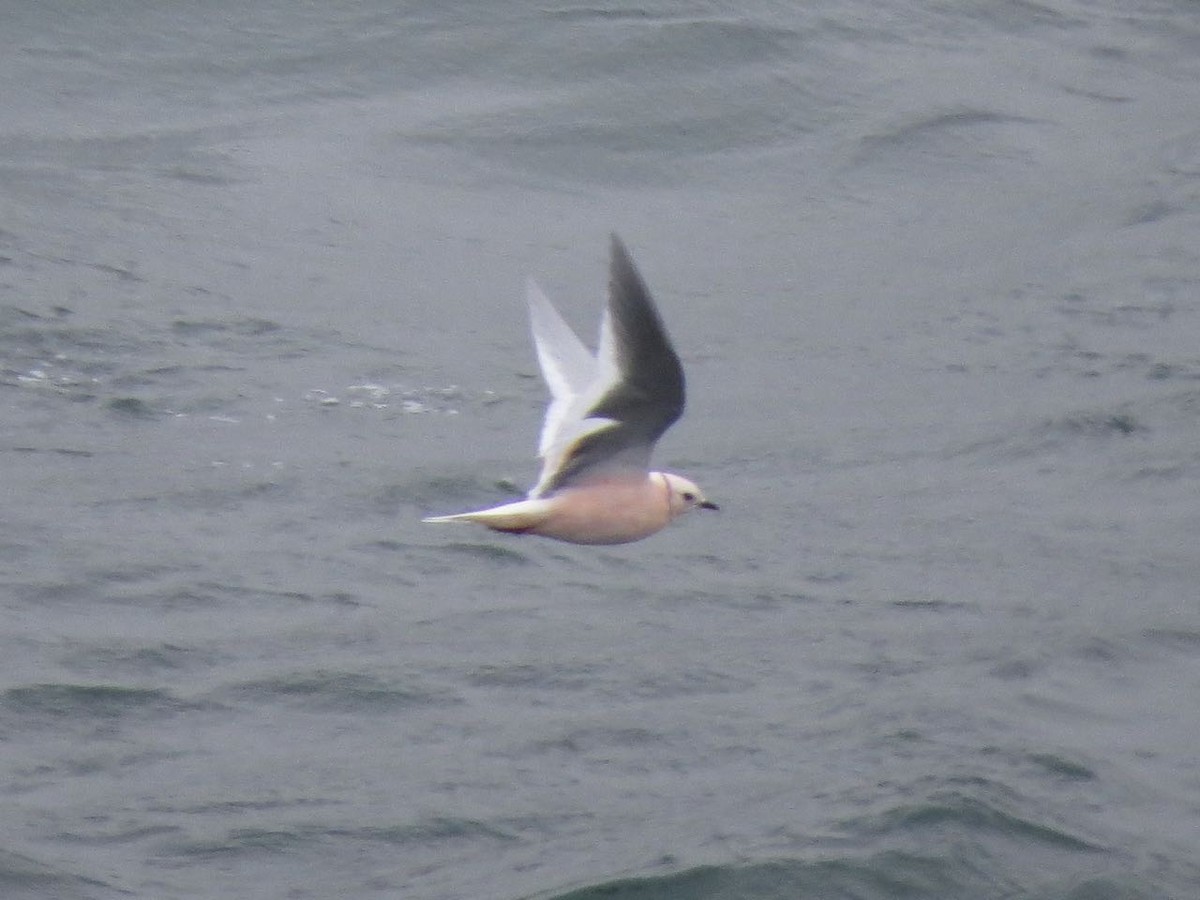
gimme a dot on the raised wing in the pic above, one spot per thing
(567, 365)
(609, 424)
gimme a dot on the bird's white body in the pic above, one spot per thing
(609, 511)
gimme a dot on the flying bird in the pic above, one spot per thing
(606, 413)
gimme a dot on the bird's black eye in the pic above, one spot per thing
(689, 496)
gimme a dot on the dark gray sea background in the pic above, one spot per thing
(934, 272)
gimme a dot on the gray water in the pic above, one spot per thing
(934, 272)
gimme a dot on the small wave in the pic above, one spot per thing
(133, 658)
(950, 844)
(341, 691)
(1062, 768)
(687, 683)
(528, 676)
(945, 142)
(241, 327)
(1053, 434)
(1177, 640)
(87, 702)
(432, 830)
(485, 552)
(131, 408)
(245, 841)
(884, 876)
(1118, 423)
(435, 830)
(966, 815)
(24, 877)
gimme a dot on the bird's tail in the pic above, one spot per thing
(523, 515)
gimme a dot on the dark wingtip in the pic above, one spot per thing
(618, 251)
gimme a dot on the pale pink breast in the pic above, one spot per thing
(608, 512)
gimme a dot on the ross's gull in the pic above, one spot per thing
(606, 413)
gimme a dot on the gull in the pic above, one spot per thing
(606, 413)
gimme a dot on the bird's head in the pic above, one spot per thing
(683, 495)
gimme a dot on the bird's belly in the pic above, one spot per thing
(607, 514)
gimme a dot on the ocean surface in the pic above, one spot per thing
(934, 272)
